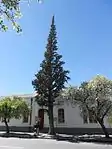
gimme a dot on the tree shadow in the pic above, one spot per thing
(16, 135)
(72, 139)
(68, 139)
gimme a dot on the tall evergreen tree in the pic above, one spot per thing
(51, 78)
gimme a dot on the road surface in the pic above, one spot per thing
(14, 143)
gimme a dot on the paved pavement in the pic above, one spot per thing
(16, 143)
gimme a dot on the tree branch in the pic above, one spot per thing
(107, 110)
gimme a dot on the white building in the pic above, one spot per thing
(67, 118)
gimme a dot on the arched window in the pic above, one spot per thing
(61, 117)
(85, 117)
(92, 118)
(25, 118)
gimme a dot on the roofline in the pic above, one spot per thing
(21, 95)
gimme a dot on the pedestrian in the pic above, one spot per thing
(36, 128)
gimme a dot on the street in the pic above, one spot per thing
(14, 143)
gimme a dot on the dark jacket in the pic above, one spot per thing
(36, 125)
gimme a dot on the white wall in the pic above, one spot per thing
(72, 116)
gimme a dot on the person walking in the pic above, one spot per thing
(36, 128)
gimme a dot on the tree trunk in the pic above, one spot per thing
(51, 120)
(6, 124)
(104, 129)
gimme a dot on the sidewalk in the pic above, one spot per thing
(60, 137)
(16, 134)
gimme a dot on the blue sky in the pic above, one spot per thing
(84, 30)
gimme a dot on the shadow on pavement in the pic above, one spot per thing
(59, 137)
(16, 135)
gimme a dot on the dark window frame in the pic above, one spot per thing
(61, 116)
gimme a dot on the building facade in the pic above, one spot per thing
(67, 118)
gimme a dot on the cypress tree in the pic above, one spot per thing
(51, 78)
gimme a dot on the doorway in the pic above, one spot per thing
(41, 116)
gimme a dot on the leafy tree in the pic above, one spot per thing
(10, 108)
(101, 103)
(51, 78)
(95, 98)
(10, 11)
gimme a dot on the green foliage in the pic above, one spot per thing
(14, 107)
(100, 95)
(51, 78)
(94, 97)
(9, 10)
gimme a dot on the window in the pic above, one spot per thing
(8, 120)
(85, 118)
(61, 117)
(92, 117)
(25, 119)
(2, 120)
(88, 118)
(84, 115)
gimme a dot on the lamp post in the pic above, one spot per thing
(31, 113)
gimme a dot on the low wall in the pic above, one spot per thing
(17, 129)
(78, 131)
(70, 131)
